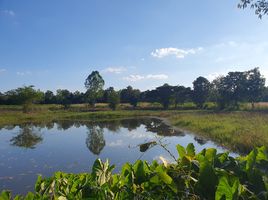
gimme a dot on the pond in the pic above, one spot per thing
(32, 149)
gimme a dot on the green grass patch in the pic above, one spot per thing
(239, 131)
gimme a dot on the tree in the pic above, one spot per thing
(130, 95)
(231, 89)
(201, 91)
(260, 6)
(113, 98)
(164, 95)
(49, 97)
(26, 96)
(78, 97)
(255, 86)
(64, 97)
(181, 94)
(94, 84)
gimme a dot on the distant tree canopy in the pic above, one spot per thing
(113, 98)
(130, 95)
(94, 84)
(164, 95)
(201, 90)
(237, 87)
(25, 96)
(227, 92)
(260, 6)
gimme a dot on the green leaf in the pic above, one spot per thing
(181, 150)
(211, 154)
(251, 159)
(30, 196)
(139, 172)
(190, 150)
(207, 179)
(225, 191)
(5, 195)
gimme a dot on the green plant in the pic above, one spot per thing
(206, 175)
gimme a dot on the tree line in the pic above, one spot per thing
(226, 91)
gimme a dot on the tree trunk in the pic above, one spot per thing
(252, 105)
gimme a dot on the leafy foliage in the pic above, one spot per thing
(94, 84)
(113, 98)
(260, 6)
(201, 91)
(206, 175)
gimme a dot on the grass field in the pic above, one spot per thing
(238, 130)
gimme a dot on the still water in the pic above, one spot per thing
(32, 149)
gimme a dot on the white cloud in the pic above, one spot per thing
(213, 76)
(2, 70)
(134, 78)
(116, 70)
(8, 12)
(24, 73)
(178, 53)
(157, 76)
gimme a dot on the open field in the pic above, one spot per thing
(237, 130)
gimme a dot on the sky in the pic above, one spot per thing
(144, 43)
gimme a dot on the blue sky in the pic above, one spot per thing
(144, 43)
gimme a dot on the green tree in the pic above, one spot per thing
(201, 91)
(164, 95)
(232, 89)
(64, 97)
(49, 97)
(26, 96)
(130, 95)
(181, 94)
(260, 6)
(255, 86)
(113, 98)
(94, 84)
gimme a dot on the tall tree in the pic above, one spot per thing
(255, 86)
(94, 84)
(164, 95)
(181, 94)
(232, 89)
(201, 91)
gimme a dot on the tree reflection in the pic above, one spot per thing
(162, 129)
(200, 140)
(95, 140)
(27, 138)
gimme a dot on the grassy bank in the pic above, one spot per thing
(239, 131)
(236, 130)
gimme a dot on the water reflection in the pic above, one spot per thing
(200, 140)
(95, 140)
(72, 146)
(27, 138)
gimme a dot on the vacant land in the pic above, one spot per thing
(237, 130)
